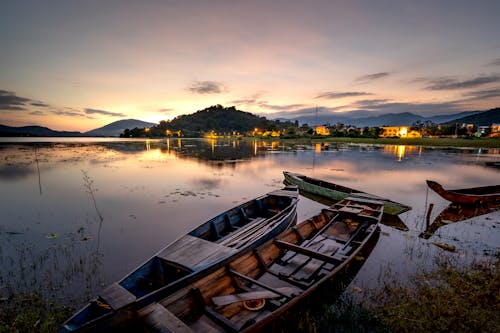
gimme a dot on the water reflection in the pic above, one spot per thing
(149, 192)
(457, 213)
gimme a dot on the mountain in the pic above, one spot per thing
(33, 131)
(388, 119)
(449, 117)
(485, 118)
(117, 127)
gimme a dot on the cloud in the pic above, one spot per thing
(37, 113)
(483, 94)
(369, 103)
(333, 94)
(104, 113)
(446, 83)
(166, 111)
(9, 101)
(495, 62)
(379, 107)
(280, 107)
(263, 104)
(207, 87)
(305, 112)
(40, 104)
(70, 113)
(372, 77)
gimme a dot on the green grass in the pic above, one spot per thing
(30, 312)
(428, 142)
(434, 142)
(448, 299)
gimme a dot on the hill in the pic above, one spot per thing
(485, 118)
(215, 118)
(362, 118)
(33, 131)
(117, 127)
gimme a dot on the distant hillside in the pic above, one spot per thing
(485, 118)
(218, 118)
(389, 119)
(361, 118)
(117, 127)
(449, 117)
(33, 131)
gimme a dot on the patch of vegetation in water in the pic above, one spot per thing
(30, 312)
(448, 299)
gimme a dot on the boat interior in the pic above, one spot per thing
(221, 226)
(258, 283)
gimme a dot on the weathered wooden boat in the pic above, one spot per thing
(243, 227)
(338, 192)
(249, 291)
(468, 196)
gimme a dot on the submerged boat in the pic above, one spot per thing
(337, 192)
(249, 291)
(468, 196)
(243, 227)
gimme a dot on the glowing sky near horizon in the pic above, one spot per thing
(78, 65)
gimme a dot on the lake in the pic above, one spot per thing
(78, 214)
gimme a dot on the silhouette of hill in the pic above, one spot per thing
(33, 131)
(388, 119)
(117, 127)
(485, 118)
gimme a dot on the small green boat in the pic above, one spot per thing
(337, 192)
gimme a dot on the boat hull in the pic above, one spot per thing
(285, 271)
(337, 192)
(470, 196)
(187, 257)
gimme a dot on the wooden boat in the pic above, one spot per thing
(243, 227)
(468, 196)
(249, 291)
(338, 192)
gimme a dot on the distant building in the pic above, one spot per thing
(495, 131)
(400, 132)
(322, 130)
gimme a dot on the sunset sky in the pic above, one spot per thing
(79, 65)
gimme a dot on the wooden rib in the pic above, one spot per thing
(307, 252)
(258, 283)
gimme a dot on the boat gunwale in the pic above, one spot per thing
(288, 212)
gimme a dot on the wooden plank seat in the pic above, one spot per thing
(193, 252)
(117, 296)
(159, 320)
(258, 294)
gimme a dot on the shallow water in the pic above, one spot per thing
(78, 214)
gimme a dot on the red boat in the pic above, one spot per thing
(468, 196)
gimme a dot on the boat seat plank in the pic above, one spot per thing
(287, 268)
(192, 251)
(206, 325)
(229, 299)
(117, 296)
(307, 252)
(159, 320)
(308, 270)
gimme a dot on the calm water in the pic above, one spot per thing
(78, 214)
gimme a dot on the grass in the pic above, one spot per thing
(448, 299)
(427, 142)
(30, 312)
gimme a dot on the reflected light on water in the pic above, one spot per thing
(401, 152)
(151, 191)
